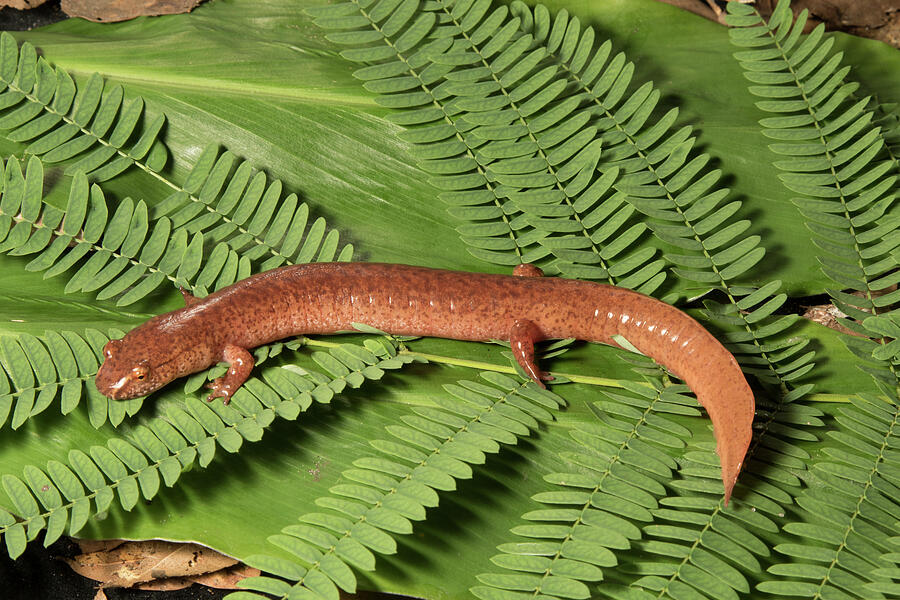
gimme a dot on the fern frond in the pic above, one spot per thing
(427, 454)
(61, 497)
(58, 365)
(834, 161)
(122, 255)
(231, 203)
(398, 45)
(129, 254)
(832, 157)
(848, 509)
(591, 512)
(515, 156)
(648, 164)
(60, 121)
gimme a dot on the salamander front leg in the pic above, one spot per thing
(521, 339)
(241, 363)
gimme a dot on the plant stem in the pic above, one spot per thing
(601, 381)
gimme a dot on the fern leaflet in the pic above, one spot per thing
(129, 255)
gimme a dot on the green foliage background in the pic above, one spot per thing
(260, 80)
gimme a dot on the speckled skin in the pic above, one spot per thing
(406, 300)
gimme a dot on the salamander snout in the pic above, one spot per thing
(123, 375)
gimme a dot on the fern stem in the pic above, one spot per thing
(486, 366)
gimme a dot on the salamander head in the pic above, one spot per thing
(132, 368)
(126, 372)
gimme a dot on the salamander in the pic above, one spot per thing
(523, 308)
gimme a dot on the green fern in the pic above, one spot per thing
(62, 497)
(591, 512)
(509, 149)
(428, 453)
(847, 510)
(834, 160)
(124, 256)
(680, 201)
(42, 106)
(235, 206)
(128, 258)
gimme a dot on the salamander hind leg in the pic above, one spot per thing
(241, 363)
(521, 339)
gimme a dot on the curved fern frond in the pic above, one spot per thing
(93, 127)
(62, 497)
(428, 453)
(398, 44)
(232, 203)
(833, 157)
(58, 365)
(650, 167)
(513, 153)
(591, 512)
(127, 253)
(835, 162)
(122, 255)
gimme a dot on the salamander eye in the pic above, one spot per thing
(140, 372)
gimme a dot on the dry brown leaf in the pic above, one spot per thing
(827, 315)
(138, 562)
(111, 11)
(168, 584)
(226, 579)
(100, 595)
(88, 546)
(21, 4)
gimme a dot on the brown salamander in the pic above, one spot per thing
(406, 300)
